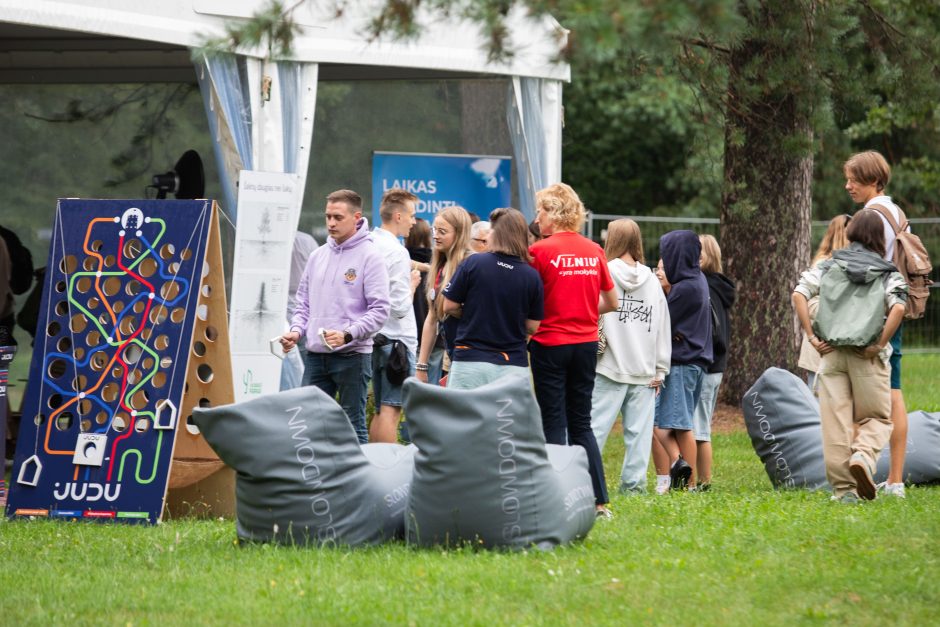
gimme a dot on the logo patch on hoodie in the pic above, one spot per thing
(350, 275)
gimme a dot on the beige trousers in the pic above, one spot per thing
(855, 403)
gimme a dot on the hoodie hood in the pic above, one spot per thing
(361, 235)
(721, 286)
(860, 264)
(680, 252)
(629, 278)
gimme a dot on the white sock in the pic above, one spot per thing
(662, 484)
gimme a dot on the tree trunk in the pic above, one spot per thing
(765, 213)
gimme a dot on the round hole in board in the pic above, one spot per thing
(60, 286)
(146, 333)
(191, 425)
(204, 402)
(117, 306)
(109, 261)
(83, 284)
(112, 285)
(62, 308)
(147, 267)
(39, 420)
(139, 400)
(120, 422)
(86, 425)
(109, 392)
(174, 268)
(177, 315)
(133, 287)
(92, 338)
(79, 382)
(199, 349)
(93, 302)
(166, 362)
(90, 264)
(202, 312)
(212, 334)
(128, 325)
(132, 353)
(117, 372)
(139, 306)
(167, 251)
(205, 269)
(99, 361)
(56, 368)
(96, 246)
(84, 407)
(185, 254)
(69, 264)
(161, 343)
(158, 314)
(204, 373)
(63, 421)
(133, 248)
(170, 290)
(147, 363)
(101, 417)
(158, 381)
(142, 425)
(53, 329)
(64, 344)
(206, 290)
(54, 401)
(78, 353)
(78, 323)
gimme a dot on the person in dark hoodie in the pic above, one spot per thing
(721, 291)
(857, 289)
(692, 353)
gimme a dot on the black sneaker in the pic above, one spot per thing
(679, 474)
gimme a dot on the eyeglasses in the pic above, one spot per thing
(437, 231)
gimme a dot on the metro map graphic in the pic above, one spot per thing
(108, 377)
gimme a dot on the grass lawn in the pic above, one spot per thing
(740, 554)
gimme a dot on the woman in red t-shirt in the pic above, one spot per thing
(563, 352)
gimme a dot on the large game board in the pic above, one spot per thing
(127, 286)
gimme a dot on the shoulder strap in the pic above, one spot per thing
(890, 218)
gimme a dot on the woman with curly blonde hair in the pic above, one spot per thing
(563, 352)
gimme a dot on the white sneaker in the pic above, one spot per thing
(892, 489)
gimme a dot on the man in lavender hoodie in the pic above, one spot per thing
(341, 302)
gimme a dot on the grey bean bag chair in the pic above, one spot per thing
(782, 418)
(302, 476)
(484, 475)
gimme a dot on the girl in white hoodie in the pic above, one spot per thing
(631, 369)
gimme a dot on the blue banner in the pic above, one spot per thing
(479, 184)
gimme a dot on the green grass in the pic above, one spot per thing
(741, 553)
(920, 374)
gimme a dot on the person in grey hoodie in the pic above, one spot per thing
(857, 289)
(342, 301)
(631, 369)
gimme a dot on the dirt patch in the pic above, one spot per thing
(727, 419)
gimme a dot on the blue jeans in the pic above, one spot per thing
(682, 389)
(348, 374)
(564, 381)
(702, 419)
(636, 403)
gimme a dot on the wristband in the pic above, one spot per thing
(421, 367)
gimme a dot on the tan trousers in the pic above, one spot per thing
(855, 403)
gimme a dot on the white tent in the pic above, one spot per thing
(142, 41)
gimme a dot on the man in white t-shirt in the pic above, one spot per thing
(866, 177)
(397, 213)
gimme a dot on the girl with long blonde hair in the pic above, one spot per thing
(450, 237)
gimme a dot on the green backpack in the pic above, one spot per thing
(850, 314)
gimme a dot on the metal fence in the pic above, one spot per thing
(919, 335)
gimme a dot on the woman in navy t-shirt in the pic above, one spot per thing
(497, 297)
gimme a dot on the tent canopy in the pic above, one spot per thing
(56, 41)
